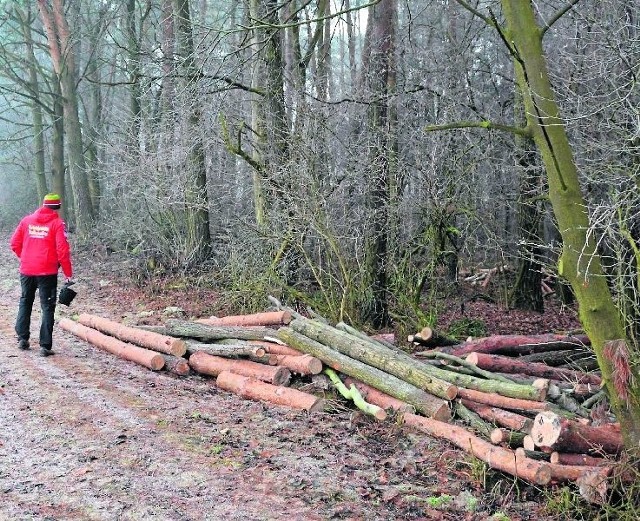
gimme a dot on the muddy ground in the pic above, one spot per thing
(87, 436)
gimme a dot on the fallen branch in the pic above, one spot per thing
(353, 394)
(255, 389)
(499, 416)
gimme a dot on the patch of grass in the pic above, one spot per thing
(466, 327)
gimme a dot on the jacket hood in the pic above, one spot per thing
(45, 215)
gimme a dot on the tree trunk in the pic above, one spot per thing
(269, 318)
(205, 363)
(516, 344)
(251, 388)
(499, 416)
(422, 401)
(227, 350)
(139, 355)
(148, 339)
(580, 262)
(204, 332)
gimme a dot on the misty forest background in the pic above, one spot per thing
(351, 156)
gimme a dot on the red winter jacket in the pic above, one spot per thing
(40, 242)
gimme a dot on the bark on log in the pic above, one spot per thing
(507, 365)
(421, 400)
(148, 339)
(276, 349)
(254, 389)
(556, 358)
(503, 402)
(500, 436)
(408, 368)
(301, 364)
(496, 457)
(376, 397)
(205, 363)
(473, 420)
(395, 363)
(520, 344)
(130, 352)
(533, 454)
(226, 350)
(184, 328)
(568, 458)
(499, 416)
(268, 318)
(430, 338)
(176, 365)
(551, 431)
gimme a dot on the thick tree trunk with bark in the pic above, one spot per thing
(184, 328)
(211, 365)
(423, 402)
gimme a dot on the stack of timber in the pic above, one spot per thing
(569, 431)
(525, 405)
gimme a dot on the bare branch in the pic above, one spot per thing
(558, 15)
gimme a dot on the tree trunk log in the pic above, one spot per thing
(509, 419)
(133, 353)
(205, 363)
(503, 402)
(508, 437)
(473, 420)
(372, 395)
(148, 339)
(430, 338)
(276, 349)
(496, 457)
(396, 363)
(226, 350)
(268, 318)
(176, 365)
(551, 431)
(254, 389)
(556, 358)
(422, 401)
(520, 344)
(568, 458)
(301, 364)
(184, 328)
(505, 364)
(533, 454)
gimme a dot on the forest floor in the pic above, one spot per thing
(87, 436)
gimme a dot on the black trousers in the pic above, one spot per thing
(47, 286)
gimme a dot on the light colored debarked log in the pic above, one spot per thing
(145, 357)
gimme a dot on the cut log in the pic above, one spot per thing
(184, 328)
(437, 381)
(568, 458)
(301, 364)
(268, 318)
(376, 397)
(594, 485)
(148, 339)
(130, 352)
(532, 454)
(176, 365)
(430, 338)
(421, 400)
(276, 349)
(395, 363)
(227, 350)
(556, 358)
(496, 457)
(254, 389)
(508, 437)
(473, 420)
(503, 402)
(520, 344)
(507, 364)
(551, 431)
(205, 363)
(499, 416)
(527, 444)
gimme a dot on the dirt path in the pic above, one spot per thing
(87, 436)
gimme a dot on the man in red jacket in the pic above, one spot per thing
(40, 242)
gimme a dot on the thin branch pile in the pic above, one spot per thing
(528, 406)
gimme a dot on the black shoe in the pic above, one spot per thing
(23, 344)
(46, 352)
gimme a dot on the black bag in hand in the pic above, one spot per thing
(66, 295)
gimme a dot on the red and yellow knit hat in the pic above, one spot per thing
(52, 201)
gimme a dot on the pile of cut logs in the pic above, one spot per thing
(528, 406)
